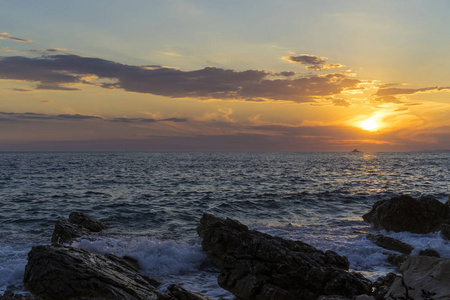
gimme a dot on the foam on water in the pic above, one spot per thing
(350, 240)
(167, 261)
(13, 259)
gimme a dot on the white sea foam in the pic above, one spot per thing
(167, 261)
(13, 259)
(350, 241)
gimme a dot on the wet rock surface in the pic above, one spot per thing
(255, 265)
(78, 225)
(390, 243)
(405, 213)
(61, 272)
(423, 277)
(8, 295)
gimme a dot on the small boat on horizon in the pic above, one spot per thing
(355, 150)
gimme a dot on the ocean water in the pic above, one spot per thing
(152, 203)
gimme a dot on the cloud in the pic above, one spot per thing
(148, 120)
(8, 116)
(6, 36)
(341, 102)
(401, 91)
(58, 72)
(396, 95)
(314, 62)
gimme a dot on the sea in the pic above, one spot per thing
(152, 204)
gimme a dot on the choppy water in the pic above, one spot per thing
(153, 201)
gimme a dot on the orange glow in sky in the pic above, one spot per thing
(219, 76)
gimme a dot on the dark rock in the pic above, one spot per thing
(445, 231)
(423, 277)
(396, 259)
(405, 213)
(59, 272)
(177, 292)
(390, 243)
(429, 252)
(383, 284)
(65, 231)
(255, 265)
(8, 295)
(86, 221)
(79, 225)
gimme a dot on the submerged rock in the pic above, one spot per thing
(390, 243)
(255, 265)
(58, 272)
(405, 213)
(78, 225)
(423, 277)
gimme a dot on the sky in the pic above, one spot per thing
(247, 75)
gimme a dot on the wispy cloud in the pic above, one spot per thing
(402, 91)
(58, 72)
(13, 117)
(396, 95)
(6, 36)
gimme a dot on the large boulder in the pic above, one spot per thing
(57, 272)
(78, 225)
(405, 213)
(255, 265)
(424, 277)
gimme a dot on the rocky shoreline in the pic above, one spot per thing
(252, 265)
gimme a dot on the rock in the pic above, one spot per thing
(390, 243)
(405, 213)
(65, 231)
(364, 297)
(255, 265)
(86, 221)
(177, 292)
(333, 297)
(424, 277)
(79, 225)
(429, 252)
(445, 231)
(396, 259)
(383, 284)
(8, 295)
(59, 272)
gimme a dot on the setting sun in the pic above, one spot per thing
(369, 125)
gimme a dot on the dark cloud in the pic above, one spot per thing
(314, 62)
(287, 73)
(77, 117)
(7, 116)
(307, 59)
(58, 72)
(6, 36)
(147, 120)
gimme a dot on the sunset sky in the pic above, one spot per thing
(247, 75)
